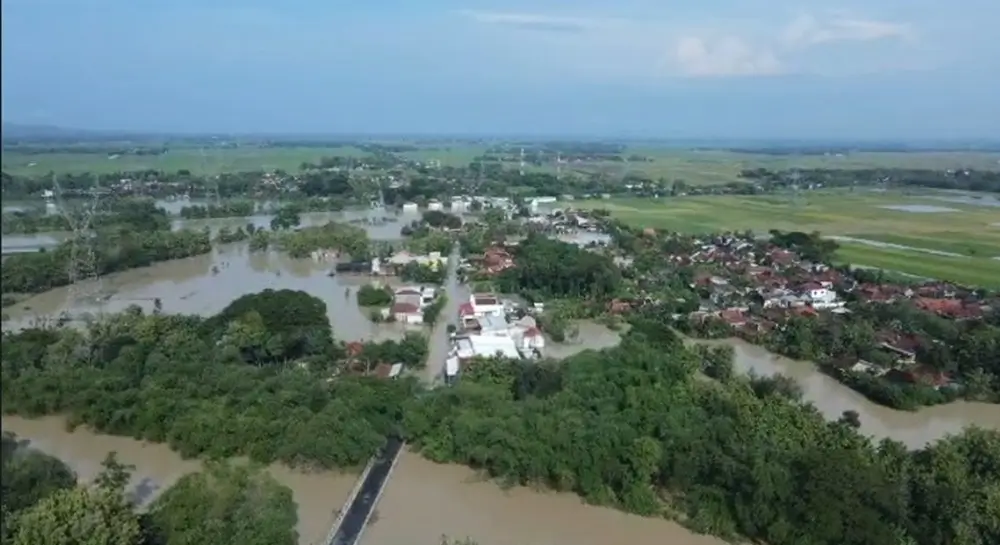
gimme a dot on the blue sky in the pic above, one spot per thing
(705, 68)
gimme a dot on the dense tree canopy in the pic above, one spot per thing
(634, 425)
(170, 379)
(548, 268)
(79, 516)
(225, 505)
(28, 476)
(638, 427)
(114, 249)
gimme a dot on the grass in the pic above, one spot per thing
(967, 231)
(212, 162)
(718, 166)
(694, 167)
(969, 271)
(988, 245)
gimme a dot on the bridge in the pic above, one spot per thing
(357, 511)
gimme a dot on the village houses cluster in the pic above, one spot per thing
(753, 287)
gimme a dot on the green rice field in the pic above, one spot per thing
(693, 167)
(211, 162)
(717, 167)
(968, 230)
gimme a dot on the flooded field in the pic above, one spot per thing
(832, 398)
(918, 208)
(318, 494)
(592, 336)
(206, 284)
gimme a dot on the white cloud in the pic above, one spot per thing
(675, 47)
(807, 31)
(728, 56)
(534, 21)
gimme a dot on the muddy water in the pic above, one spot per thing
(206, 284)
(592, 336)
(424, 501)
(318, 495)
(439, 343)
(915, 429)
(381, 230)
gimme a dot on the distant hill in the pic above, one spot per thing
(20, 131)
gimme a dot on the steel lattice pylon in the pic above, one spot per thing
(85, 283)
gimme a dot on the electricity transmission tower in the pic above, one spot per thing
(796, 193)
(521, 169)
(85, 282)
(211, 180)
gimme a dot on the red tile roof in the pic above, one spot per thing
(405, 308)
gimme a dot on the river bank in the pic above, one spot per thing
(832, 398)
(422, 501)
(319, 495)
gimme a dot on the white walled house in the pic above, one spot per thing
(486, 304)
(820, 296)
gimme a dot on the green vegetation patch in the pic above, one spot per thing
(969, 271)
(987, 244)
(195, 160)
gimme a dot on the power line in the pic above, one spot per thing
(85, 282)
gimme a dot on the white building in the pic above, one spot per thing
(820, 296)
(486, 346)
(410, 208)
(434, 205)
(486, 304)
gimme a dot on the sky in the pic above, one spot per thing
(847, 69)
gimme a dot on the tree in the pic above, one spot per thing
(115, 475)
(28, 476)
(79, 516)
(226, 505)
(287, 217)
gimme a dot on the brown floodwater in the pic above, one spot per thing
(914, 428)
(319, 495)
(424, 501)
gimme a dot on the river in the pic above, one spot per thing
(423, 500)
(319, 494)
(914, 428)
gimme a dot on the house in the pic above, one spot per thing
(471, 346)
(493, 325)
(529, 340)
(903, 348)
(407, 307)
(733, 317)
(484, 304)
(820, 296)
(410, 208)
(451, 368)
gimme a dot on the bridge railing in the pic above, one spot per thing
(350, 500)
(378, 495)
